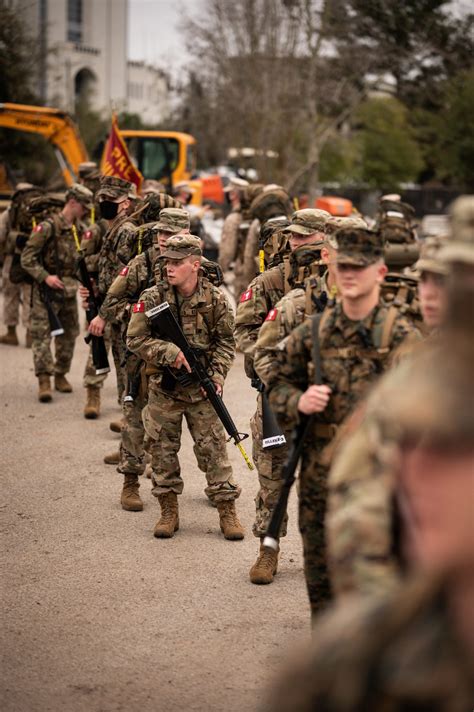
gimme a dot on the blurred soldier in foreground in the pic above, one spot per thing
(50, 258)
(228, 246)
(413, 648)
(358, 338)
(206, 319)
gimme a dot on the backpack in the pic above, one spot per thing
(395, 222)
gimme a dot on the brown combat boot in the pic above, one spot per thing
(44, 393)
(229, 521)
(61, 383)
(10, 338)
(116, 426)
(113, 458)
(168, 523)
(28, 339)
(92, 406)
(265, 568)
(130, 499)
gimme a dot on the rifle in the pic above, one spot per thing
(56, 328)
(299, 436)
(99, 351)
(164, 323)
(133, 379)
(273, 435)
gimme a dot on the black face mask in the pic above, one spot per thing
(108, 209)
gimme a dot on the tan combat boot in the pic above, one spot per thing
(168, 523)
(61, 383)
(130, 499)
(265, 568)
(113, 458)
(229, 521)
(44, 393)
(28, 339)
(10, 338)
(116, 426)
(92, 406)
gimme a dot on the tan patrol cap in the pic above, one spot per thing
(460, 246)
(87, 167)
(173, 220)
(308, 221)
(430, 256)
(80, 193)
(236, 183)
(113, 188)
(180, 246)
(360, 247)
(335, 223)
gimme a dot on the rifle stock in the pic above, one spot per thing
(165, 324)
(55, 326)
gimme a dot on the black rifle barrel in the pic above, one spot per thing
(55, 326)
(99, 351)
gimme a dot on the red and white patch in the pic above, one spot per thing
(139, 308)
(88, 234)
(124, 272)
(272, 315)
(39, 228)
(246, 296)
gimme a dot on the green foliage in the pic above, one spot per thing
(338, 160)
(388, 153)
(455, 138)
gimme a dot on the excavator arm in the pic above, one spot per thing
(55, 126)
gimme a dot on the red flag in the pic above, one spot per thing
(116, 160)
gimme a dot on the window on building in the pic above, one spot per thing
(74, 20)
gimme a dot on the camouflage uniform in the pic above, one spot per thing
(40, 259)
(207, 321)
(14, 295)
(352, 355)
(229, 239)
(394, 653)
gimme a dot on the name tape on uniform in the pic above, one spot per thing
(157, 310)
(274, 441)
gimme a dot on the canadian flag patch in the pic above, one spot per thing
(88, 234)
(124, 272)
(39, 228)
(246, 296)
(139, 307)
(272, 315)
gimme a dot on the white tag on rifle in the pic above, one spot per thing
(274, 441)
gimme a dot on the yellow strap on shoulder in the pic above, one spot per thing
(93, 215)
(296, 203)
(261, 256)
(140, 232)
(33, 222)
(245, 456)
(76, 237)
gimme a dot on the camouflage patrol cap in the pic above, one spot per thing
(358, 246)
(80, 193)
(308, 221)
(273, 225)
(23, 186)
(151, 186)
(236, 184)
(335, 223)
(460, 246)
(114, 188)
(173, 220)
(180, 246)
(430, 259)
(86, 168)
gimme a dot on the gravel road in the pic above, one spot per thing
(99, 616)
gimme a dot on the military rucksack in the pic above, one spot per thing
(401, 291)
(270, 203)
(395, 222)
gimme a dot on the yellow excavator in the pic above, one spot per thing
(166, 156)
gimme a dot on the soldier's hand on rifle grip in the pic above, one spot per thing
(314, 400)
(53, 281)
(179, 361)
(97, 326)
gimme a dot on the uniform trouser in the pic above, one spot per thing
(113, 340)
(269, 465)
(134, 441)
(312, 512)
(13, 296)
(163, 417)
(67, 313)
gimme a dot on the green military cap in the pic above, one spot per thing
(80, 193)
(86, 168)
(308, 221)
(113, 188)
(358, 246)
(460, 245)
(180, 246)
(335, 223)
(173, 220)
(430, 259)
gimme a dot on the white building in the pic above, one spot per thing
(84, 50)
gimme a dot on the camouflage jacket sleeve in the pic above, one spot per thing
(90, 246)
(289, 378)
(223, 347)
(139, 336)
(31, 254)
(280, 321)
(127, 242)
(229, 240)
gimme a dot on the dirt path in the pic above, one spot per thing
(97, 615)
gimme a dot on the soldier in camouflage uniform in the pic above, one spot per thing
(49, 257)
(358, 338)
(123, 293)
(230, 230)
(310, 294)
(207, 320)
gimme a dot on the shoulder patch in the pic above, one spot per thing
(124, 272)
(88, 234)
(272, 315)
(39, 228)
(246, 296)
(139, 307)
